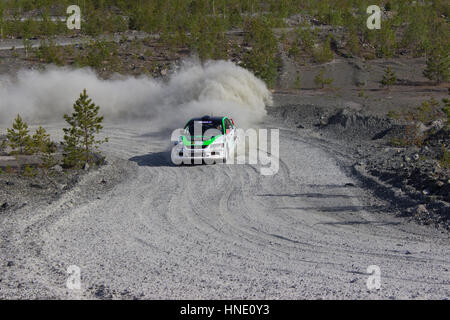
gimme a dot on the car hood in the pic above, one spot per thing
(200, 140)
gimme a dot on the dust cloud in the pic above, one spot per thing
(213, 88)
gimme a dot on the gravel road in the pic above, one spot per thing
(220, 232)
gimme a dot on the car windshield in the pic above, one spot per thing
(200, 127)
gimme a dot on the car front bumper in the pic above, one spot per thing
(187, 155)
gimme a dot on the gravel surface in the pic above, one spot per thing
(410, 177)
(140, 228)
(223, 231)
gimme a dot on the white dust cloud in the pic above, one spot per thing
(214, 88)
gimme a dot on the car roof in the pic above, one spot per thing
(205, 118)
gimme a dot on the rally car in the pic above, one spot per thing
(207, 139)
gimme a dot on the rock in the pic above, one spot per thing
(397, 192)
(349, 184)
(426, 192)
(416, 157)
(421, 209)
(315, 22)
(407, 159)
(437, 124)
(86, 166)
(10, 264)
(58, 168)
(163, 72)
(421, 128)
(9, 183)
(4, 206)
(36, 186)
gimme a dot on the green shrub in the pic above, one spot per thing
(323, 53)
(298, 83)
(438, 64)
(426, 113)
(446, 109)
(100, 54)
(389, 78)
(445, 158)
(393, 114)
(386, 41)
(207, 39)
(353, 43)
(416, 37)
(263, 59)
(48, 52)
(294, 52)
(306, 38)
(41, 143)
(29, 171)
(321, 81)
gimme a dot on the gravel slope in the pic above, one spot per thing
(222, 231)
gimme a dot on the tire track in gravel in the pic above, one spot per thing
(225, 231)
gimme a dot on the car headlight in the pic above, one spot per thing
(218, 146)
(179, 141)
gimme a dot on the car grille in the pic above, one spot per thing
(197, 147)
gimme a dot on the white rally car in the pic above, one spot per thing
(206, 139)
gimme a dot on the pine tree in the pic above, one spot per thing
(389, 78)
(80, 139)
(41, 140)
(438, 65)
(73, 154)
(18, 137)
(42, 144)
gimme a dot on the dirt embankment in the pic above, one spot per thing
(26, 181)
(413, 178)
